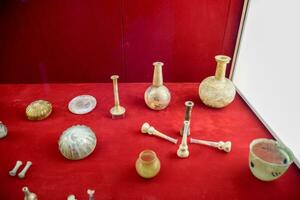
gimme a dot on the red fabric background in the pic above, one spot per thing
(206, 174)
(87, 41)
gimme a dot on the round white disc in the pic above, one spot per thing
(82, 104)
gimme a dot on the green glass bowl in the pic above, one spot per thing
(269, 159)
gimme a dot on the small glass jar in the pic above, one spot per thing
(147, 165)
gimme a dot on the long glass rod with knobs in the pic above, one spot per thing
(183, 150)
(146, 128)
(224, 146)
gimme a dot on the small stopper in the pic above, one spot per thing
(91, 194)
(13, 172)
(3, 130)
(24, 171)
(71, 197)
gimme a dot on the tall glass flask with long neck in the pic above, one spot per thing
(157, 96)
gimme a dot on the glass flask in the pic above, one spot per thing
(217, 91)
(157, 96)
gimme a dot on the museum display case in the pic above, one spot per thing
(69, 70)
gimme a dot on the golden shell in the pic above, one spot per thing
(38, 110)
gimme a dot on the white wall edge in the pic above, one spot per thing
(296, 161)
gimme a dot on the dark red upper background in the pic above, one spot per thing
(87, 41)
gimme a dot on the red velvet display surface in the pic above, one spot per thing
(84, 41)
(110, 169)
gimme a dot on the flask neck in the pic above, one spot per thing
(157, 75)
(222, 62)
(26, 192)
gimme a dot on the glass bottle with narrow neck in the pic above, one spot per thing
(157, 96)
(29, 195)
(217, 91)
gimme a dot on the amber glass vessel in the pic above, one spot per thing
(147, 165)
(157, 96)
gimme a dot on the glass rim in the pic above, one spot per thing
(280, 145)
(147, 152)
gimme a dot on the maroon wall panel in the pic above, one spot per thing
(87, 41)
(184, 35)
(60, 40)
